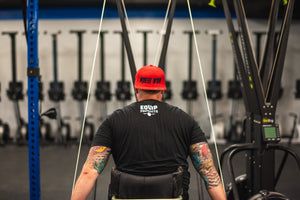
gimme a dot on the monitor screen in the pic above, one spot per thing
(270, 132)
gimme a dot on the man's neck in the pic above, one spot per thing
(149, 97)
(141, 96)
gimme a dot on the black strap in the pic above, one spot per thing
(124, 185)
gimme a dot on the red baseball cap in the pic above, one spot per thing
(150, 77)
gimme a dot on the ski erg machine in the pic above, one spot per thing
(4, 130)
(56, 94)
(123, 87)
(80, 91)
(15, 93)
(190, 91)
(102, 92)
(261, 130)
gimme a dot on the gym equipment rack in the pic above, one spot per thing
(33, 98)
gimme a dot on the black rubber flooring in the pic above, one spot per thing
(57, 165)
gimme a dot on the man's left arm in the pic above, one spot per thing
(94, 165)
(203, 162)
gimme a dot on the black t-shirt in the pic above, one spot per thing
(150, 138)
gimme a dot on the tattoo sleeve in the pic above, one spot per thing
(98, 157)
(203, 163)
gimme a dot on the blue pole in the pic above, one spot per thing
(33, 99)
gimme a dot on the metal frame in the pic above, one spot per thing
(260, 91)
(33, 99)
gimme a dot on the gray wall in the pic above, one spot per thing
(177, 64)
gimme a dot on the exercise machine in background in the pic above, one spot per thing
(261, 129)
(235, 132)
(123, 93)
(79, 92)
(15, 93)
(45, 127)
(57, 94)
(102, 91)
(297, 93)
(214, 89)
(4, 130)
(297, 96)
(190, 91)
(145, 45)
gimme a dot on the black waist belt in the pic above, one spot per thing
(128, 186)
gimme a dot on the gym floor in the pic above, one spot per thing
(57, 165)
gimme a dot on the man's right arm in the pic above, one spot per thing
(203, 163)
(94, 165)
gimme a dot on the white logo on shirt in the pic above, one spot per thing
(149, 109)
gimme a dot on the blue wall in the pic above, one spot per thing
(95, 12)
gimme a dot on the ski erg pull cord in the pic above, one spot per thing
(89, 92)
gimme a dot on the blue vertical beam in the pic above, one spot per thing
(33, 98)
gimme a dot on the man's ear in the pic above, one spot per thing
(136, 90)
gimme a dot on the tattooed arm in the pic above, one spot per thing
(94, 165)
(203, 163)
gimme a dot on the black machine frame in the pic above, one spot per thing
(127, 41)
(260, 94)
